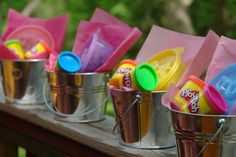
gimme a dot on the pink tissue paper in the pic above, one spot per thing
(224, 55)
(119, 35)
(197, 54)
(54, 28)
(197, 67)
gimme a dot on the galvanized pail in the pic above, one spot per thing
(204, 135)
(78, 97)
(141, 120)
(22, 81)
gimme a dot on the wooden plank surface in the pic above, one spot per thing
(39, 149)
(7, 149)
(98, 135)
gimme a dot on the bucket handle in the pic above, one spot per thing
(138, 100)
(68, 115)
(13, 100)
(221, 123)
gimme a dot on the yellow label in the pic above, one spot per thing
(39, 48)
(122, 76)
(192, 99)
(17, 49)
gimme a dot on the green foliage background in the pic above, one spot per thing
(217, 15)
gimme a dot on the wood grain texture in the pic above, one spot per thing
(31, 145)
(97, 136)
(7, 149)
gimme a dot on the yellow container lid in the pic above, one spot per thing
(169, 66)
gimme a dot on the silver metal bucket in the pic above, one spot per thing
(141, 120)
(22, 81)
(204, 135)
(79, 97)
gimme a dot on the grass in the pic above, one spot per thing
(109, 108)
(21, 152)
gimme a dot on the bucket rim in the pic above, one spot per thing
(202, 115)
(24, 60)
(112, 88)
(77, 73)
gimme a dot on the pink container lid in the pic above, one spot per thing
(215, 99)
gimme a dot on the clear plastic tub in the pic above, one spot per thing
(169, 66)
(225, 83)
(95, 53)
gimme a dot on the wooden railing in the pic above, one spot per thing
(35, 129)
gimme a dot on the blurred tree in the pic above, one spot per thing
(5, 5)
(140, 14)
(176, 16)
(217, 15)
(187, 16)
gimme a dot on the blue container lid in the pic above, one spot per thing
(69, 62)
(225, 83)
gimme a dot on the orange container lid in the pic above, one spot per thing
(198, 81)
(127, 61)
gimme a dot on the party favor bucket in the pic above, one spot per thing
(78, 97)
(141, 120)
(204, 135)
(22, 81)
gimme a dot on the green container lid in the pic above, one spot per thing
(146, 77)
(13, 41)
